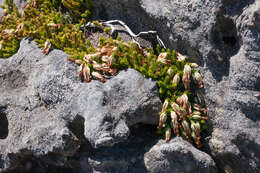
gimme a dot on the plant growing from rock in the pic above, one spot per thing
(58, 24)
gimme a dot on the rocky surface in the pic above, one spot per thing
(45, 110)
(223, 37)
(172, 156)
(47, 113)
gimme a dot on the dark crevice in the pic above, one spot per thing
(257, 85)
(225, 38)
(3, 124)
(77, 128)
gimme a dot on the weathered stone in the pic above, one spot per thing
(43, 107)
(178, 155)
(109, 109)
(223, 37)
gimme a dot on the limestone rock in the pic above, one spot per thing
(178, 156)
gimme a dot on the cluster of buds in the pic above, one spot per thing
(183, 119)
(162, 58)
(98, 70)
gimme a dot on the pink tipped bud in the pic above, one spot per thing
(165, 105)
(170, 72)
(47, 47)
(195, 127)
(182, 100)
(180, 57)
(197, 77)
(98, 76)
(175, 123)
(167, 134)
(176, 80)
(86, 74)
(163, 118)
(194, 65)
(186, 127)
(162, 58)
(186, 77)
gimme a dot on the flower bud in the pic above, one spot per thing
(186, 77)
(198, 117)
(194, 65)
(47, 47)
(197, 77)
(182, 100)
(98, 76)
(188, 109)
(176, 80)
(170, 72)
(195, 127)
(163, 118)
(168, 134)
(86, 73)
(165, 105)
(175, 123)
(199, 108)
(180, 57)
(186, 129)
(162, 58)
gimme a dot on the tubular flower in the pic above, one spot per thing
(197, 77)
(168, 134)
(186, 129)
(170, 72)
(186, 77)
(183, 101)
(194, 65)
(176, 80)
(178, 110)
(98, 76)
(188, 109)
(80, 70)
(165, 105)
(180, 57)
(198, 117)
(195, 127)
(175, 123)
(47, 47)
(198, 108)
(162, 58)
(163, 118)
(86, 73)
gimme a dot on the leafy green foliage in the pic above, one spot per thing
(44, 21)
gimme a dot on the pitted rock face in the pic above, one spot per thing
(111, 108)
(171, 156)
(223, 37)
(43, 107)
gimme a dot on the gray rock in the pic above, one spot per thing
(43, 106)
(110, 109)
(223, 37)
(178, 155)
(31, 127)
